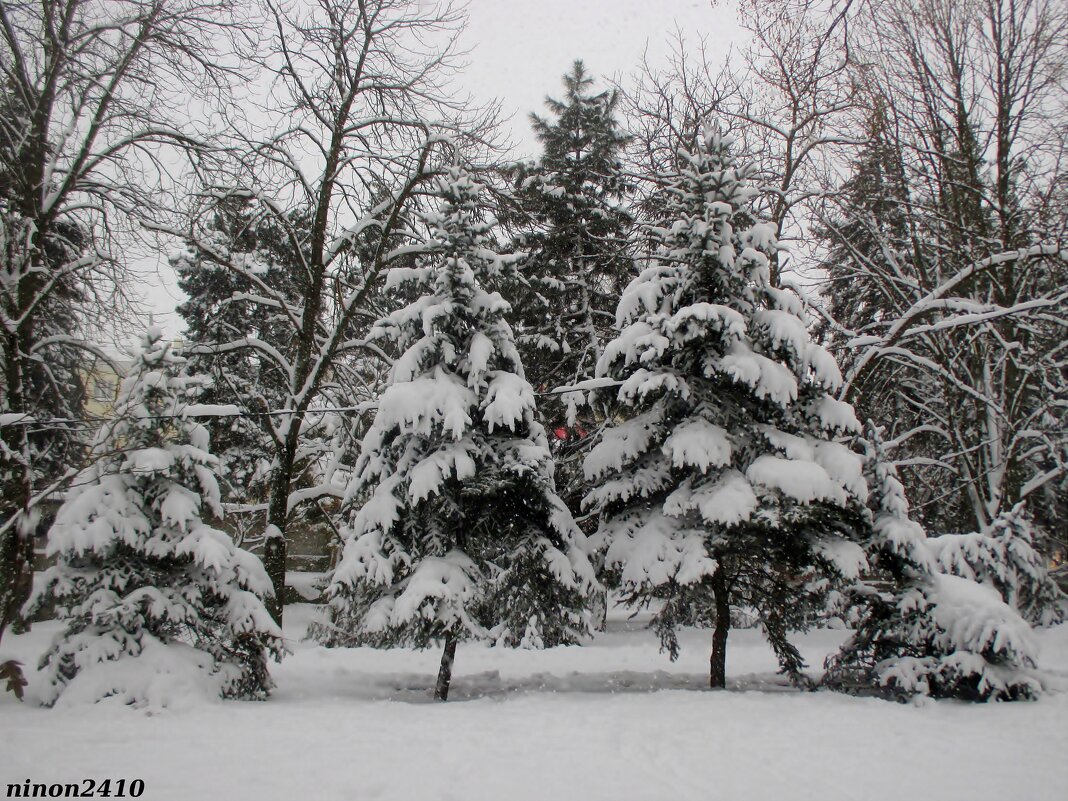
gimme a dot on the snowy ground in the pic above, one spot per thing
(611, 720)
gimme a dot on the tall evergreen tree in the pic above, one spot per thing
(574, 226)
(875, 229)
(223, 310)
(461, 535)
(139, 574)
(723, 484)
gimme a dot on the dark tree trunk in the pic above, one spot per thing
(16, 543)
(441, 691)
(717, 675)
(274, 547)
(600, 611)
(16, 575)
(274, 562)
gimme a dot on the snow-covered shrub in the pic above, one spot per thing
(728, 479)
(921, 630)
(1005, 558)
(153, 598)
(462, 535)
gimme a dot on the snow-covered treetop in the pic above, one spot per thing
(459, 377)
(152, 381)
(454, 302)
(153, 398)
(899, 544)
(150, 439)
(699, 257)
(582, 141)
(705, 305)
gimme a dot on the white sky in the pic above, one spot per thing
(519, 51)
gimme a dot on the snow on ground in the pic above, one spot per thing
(308, 585)
(611, 720)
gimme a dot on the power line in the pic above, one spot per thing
(26, 419)
(29, 419)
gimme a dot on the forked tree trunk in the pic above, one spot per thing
(717, 674)
(441, 692)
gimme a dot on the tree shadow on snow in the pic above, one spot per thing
(417, 688)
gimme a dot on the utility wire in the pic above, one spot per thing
(28, 419)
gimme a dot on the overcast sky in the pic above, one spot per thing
(519, 51)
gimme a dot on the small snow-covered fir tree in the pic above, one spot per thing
(462, 534)
(1005, 558)
(922, 631)
(145, 587)
(723, 484)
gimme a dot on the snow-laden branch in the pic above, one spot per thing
(902, 325)
(255, 343)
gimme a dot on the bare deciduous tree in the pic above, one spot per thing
(95, 96)
(966, 303)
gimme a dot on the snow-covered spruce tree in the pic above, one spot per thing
(722, 485)
(921, 631)
(463, 535)
(143, 584)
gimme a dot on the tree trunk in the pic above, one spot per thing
(274, 546)
(16, 543)
(441, 691)
(717, 675)
(274, 562)
(600, 610)
(16, 574)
